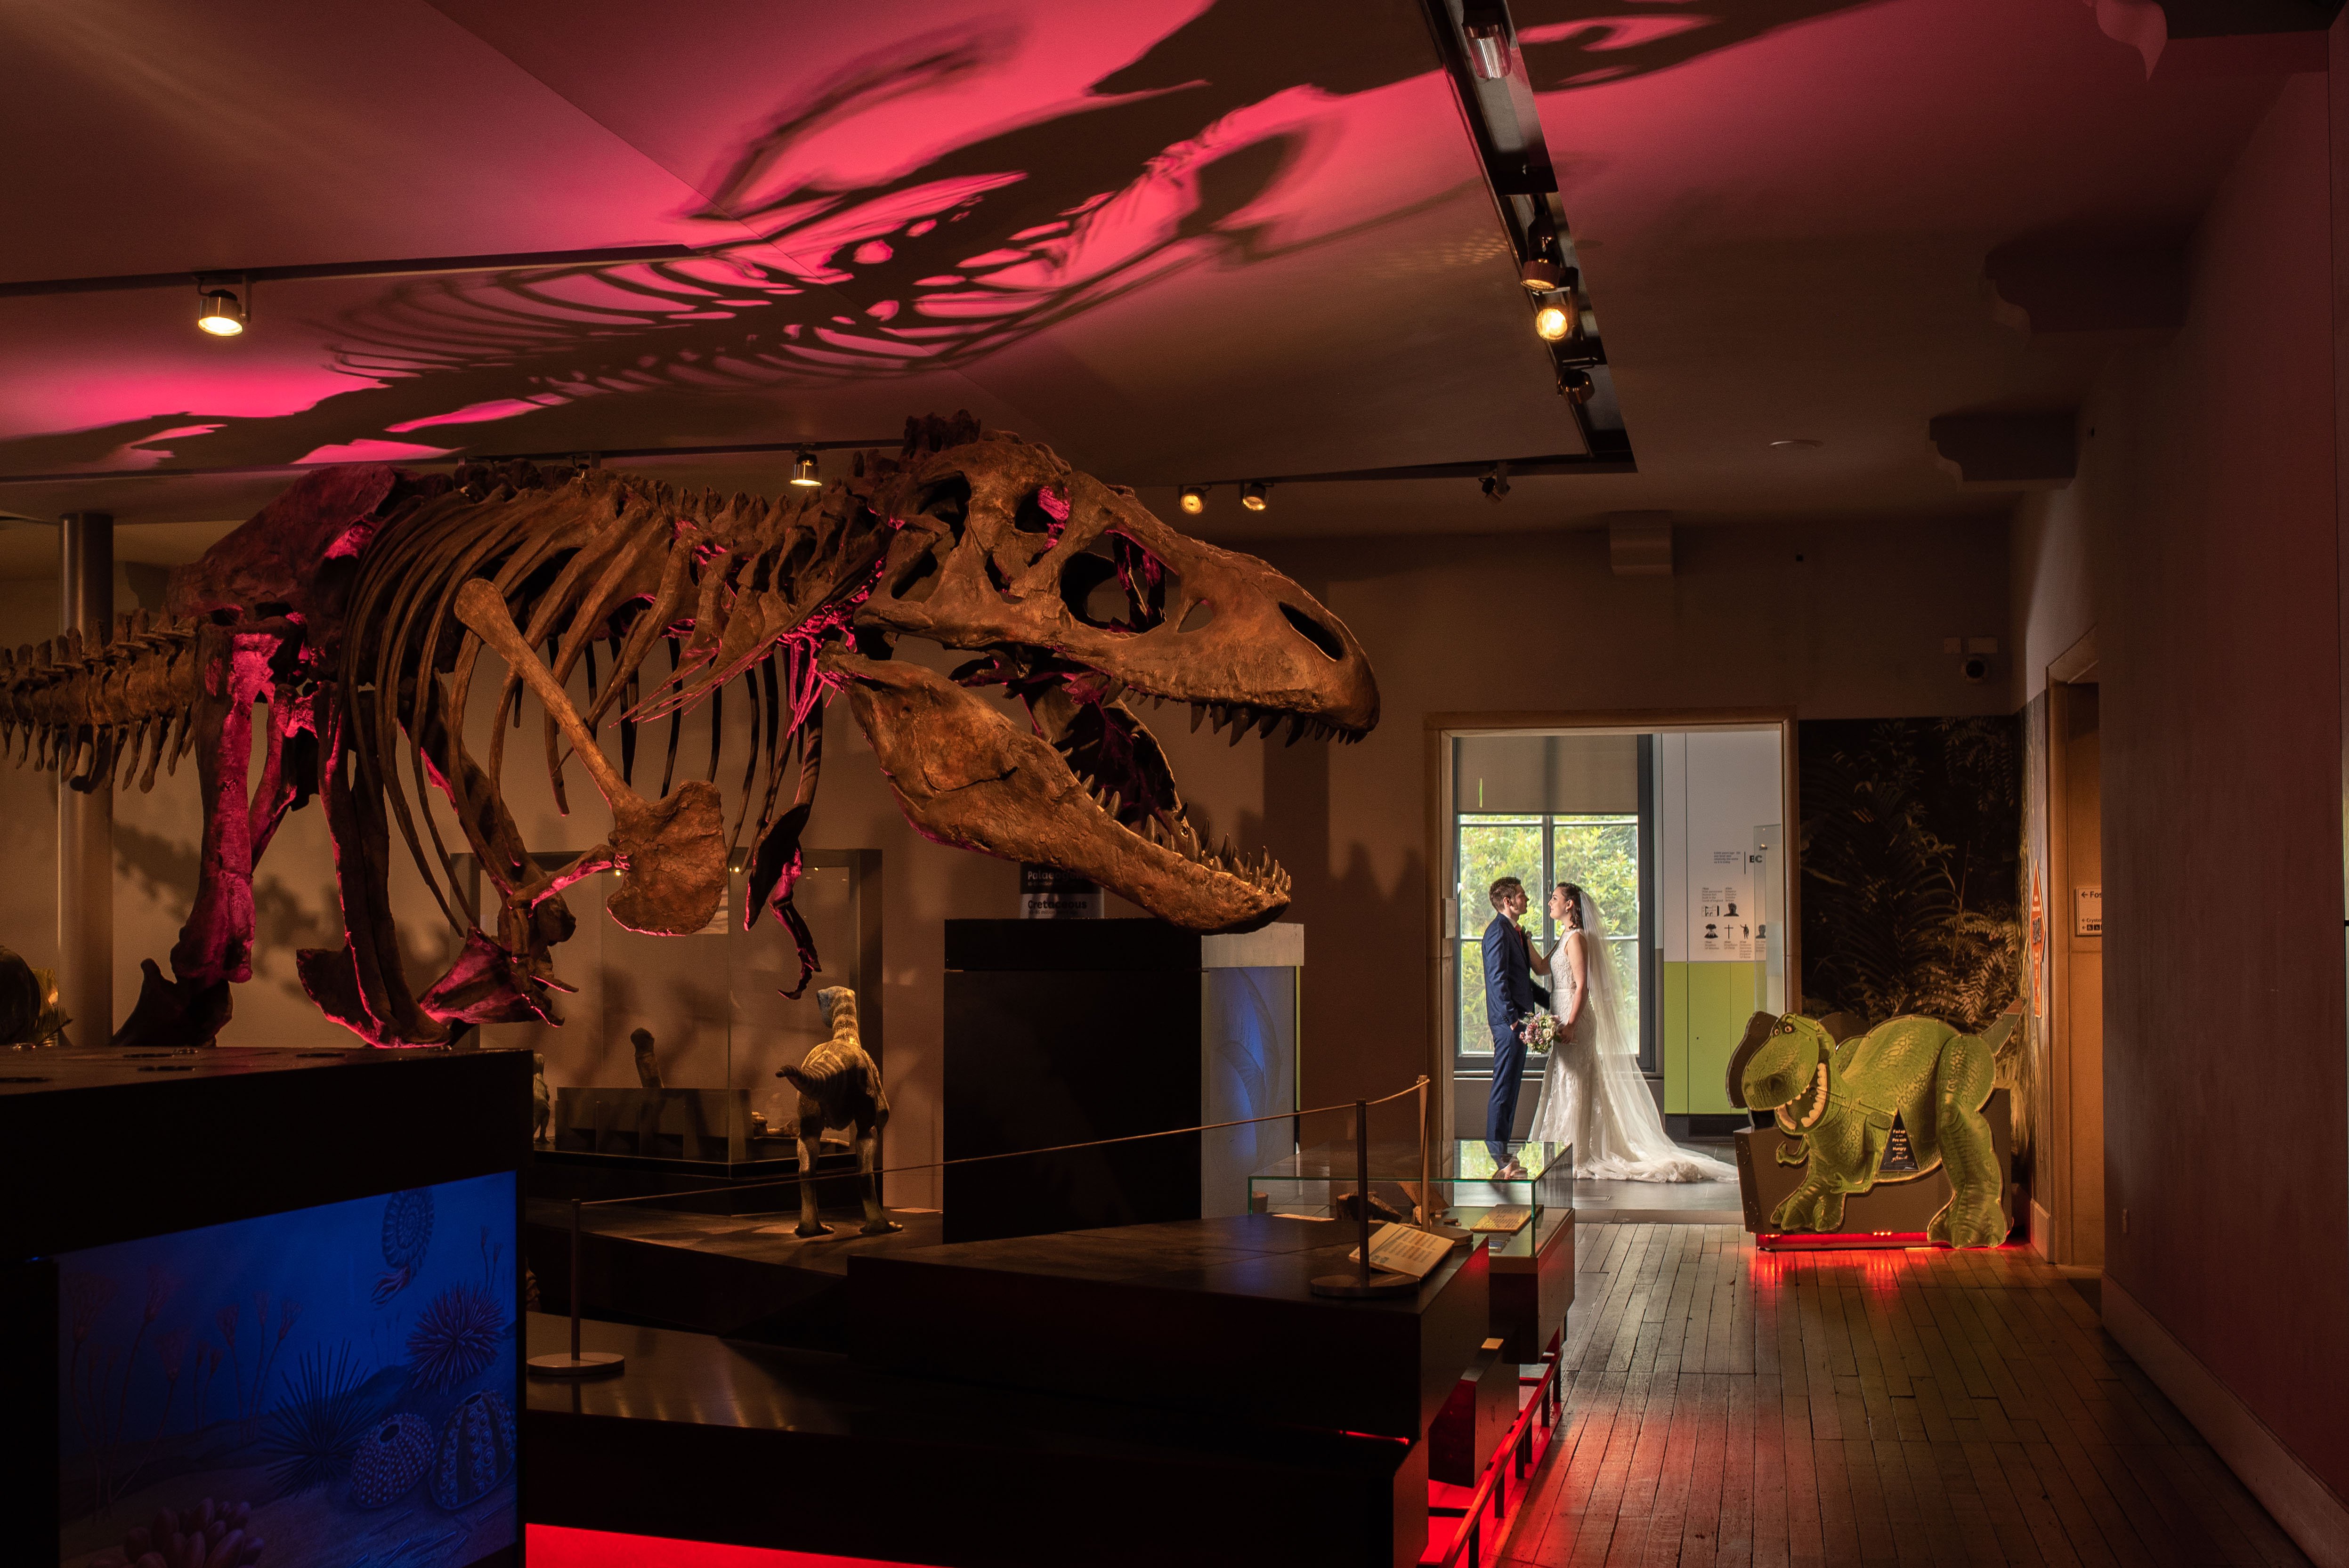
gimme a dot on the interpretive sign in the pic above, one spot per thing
(2088, 911)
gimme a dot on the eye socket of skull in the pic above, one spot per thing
(1314, 633)
(946, 500)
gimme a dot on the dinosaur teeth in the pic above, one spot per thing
(1819, 1092)
(1197, 713)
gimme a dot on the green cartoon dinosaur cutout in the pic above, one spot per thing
(1837, 1104)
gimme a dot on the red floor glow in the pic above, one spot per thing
(552, 1546)
(1821, 1408)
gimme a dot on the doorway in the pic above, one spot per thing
(1675, 825)
(2067, 1220)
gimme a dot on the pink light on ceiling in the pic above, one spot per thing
(55, 391)
(1830, 124)
(966, 80)
(479, 413)
(373, 451)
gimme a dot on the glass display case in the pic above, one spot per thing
(1315, 1182)
(668, 1050)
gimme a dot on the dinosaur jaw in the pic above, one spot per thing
(1799, 1114)
(1084, 788)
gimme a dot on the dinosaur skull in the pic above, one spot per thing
(1079, 598)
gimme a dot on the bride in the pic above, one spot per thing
(1592, 1094)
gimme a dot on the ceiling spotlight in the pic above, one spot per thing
(1576, 385)
(223, 313)
(805, 472)
(1252, 495)
(1194, 499)
(1489, 49)
(1495, 484)
(1553, 322)
(1539, 274)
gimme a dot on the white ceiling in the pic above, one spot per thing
(1275, 254)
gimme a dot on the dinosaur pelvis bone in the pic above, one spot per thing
(670, 853)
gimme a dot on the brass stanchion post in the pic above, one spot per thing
(577, 1364)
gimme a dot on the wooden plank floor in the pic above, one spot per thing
(1726, 1406)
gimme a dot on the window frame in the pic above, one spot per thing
(1464, 1059)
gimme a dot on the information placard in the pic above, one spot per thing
(1404, 1249)
(2088, 911)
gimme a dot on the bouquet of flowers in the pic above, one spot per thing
(1540, 1032)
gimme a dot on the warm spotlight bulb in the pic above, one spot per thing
(222, 316)
(1554, 320)
(1252, 496)
(805, 472)
(1194, 499)
(1540, 276)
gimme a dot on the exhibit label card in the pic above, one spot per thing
(1404, 1249)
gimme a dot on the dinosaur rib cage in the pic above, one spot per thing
(737, 589)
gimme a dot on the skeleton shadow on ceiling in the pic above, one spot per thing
(1574, 44)
(1193, 155)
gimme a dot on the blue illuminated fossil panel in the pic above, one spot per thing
(333, 1385)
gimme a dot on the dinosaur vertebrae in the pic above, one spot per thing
(83, 705)
(739, 588)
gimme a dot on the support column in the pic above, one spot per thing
(86, 821)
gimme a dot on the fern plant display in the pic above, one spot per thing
(1910, 829)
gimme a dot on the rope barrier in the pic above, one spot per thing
(579, 1363)
(799, 1176)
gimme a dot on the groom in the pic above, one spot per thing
(1510, 998)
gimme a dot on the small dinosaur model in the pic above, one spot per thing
(648, 1073)
(1837, 1103)
(840, 1086)
(30, 1014)
(359, 610)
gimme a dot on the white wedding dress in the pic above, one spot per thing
(1592, 1093)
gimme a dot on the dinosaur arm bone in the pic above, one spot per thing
(671, 853)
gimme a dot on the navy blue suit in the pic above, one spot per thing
(1510, 998)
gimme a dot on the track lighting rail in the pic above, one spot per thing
(411, 267)
(1477, 42)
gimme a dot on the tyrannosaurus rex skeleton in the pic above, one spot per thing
(357, 607)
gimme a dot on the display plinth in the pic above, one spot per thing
(1054, 1400)
(1532, 1284)
(258, 1239)
(1892, 1214)
(1216, 1317)
(705, 1439)
(745, 1276)
(1065, 1031)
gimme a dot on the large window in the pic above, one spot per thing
(1599, 852)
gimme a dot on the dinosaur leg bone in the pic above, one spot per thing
(877, 1221)
(671, 853)
(361, 985)
(810, 1131)
(215, 946)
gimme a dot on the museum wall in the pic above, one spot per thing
(1540, 624)
(1741, 622)
(2206, 502)
(2053, 581)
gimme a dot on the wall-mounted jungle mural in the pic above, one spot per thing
(1911, 838)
